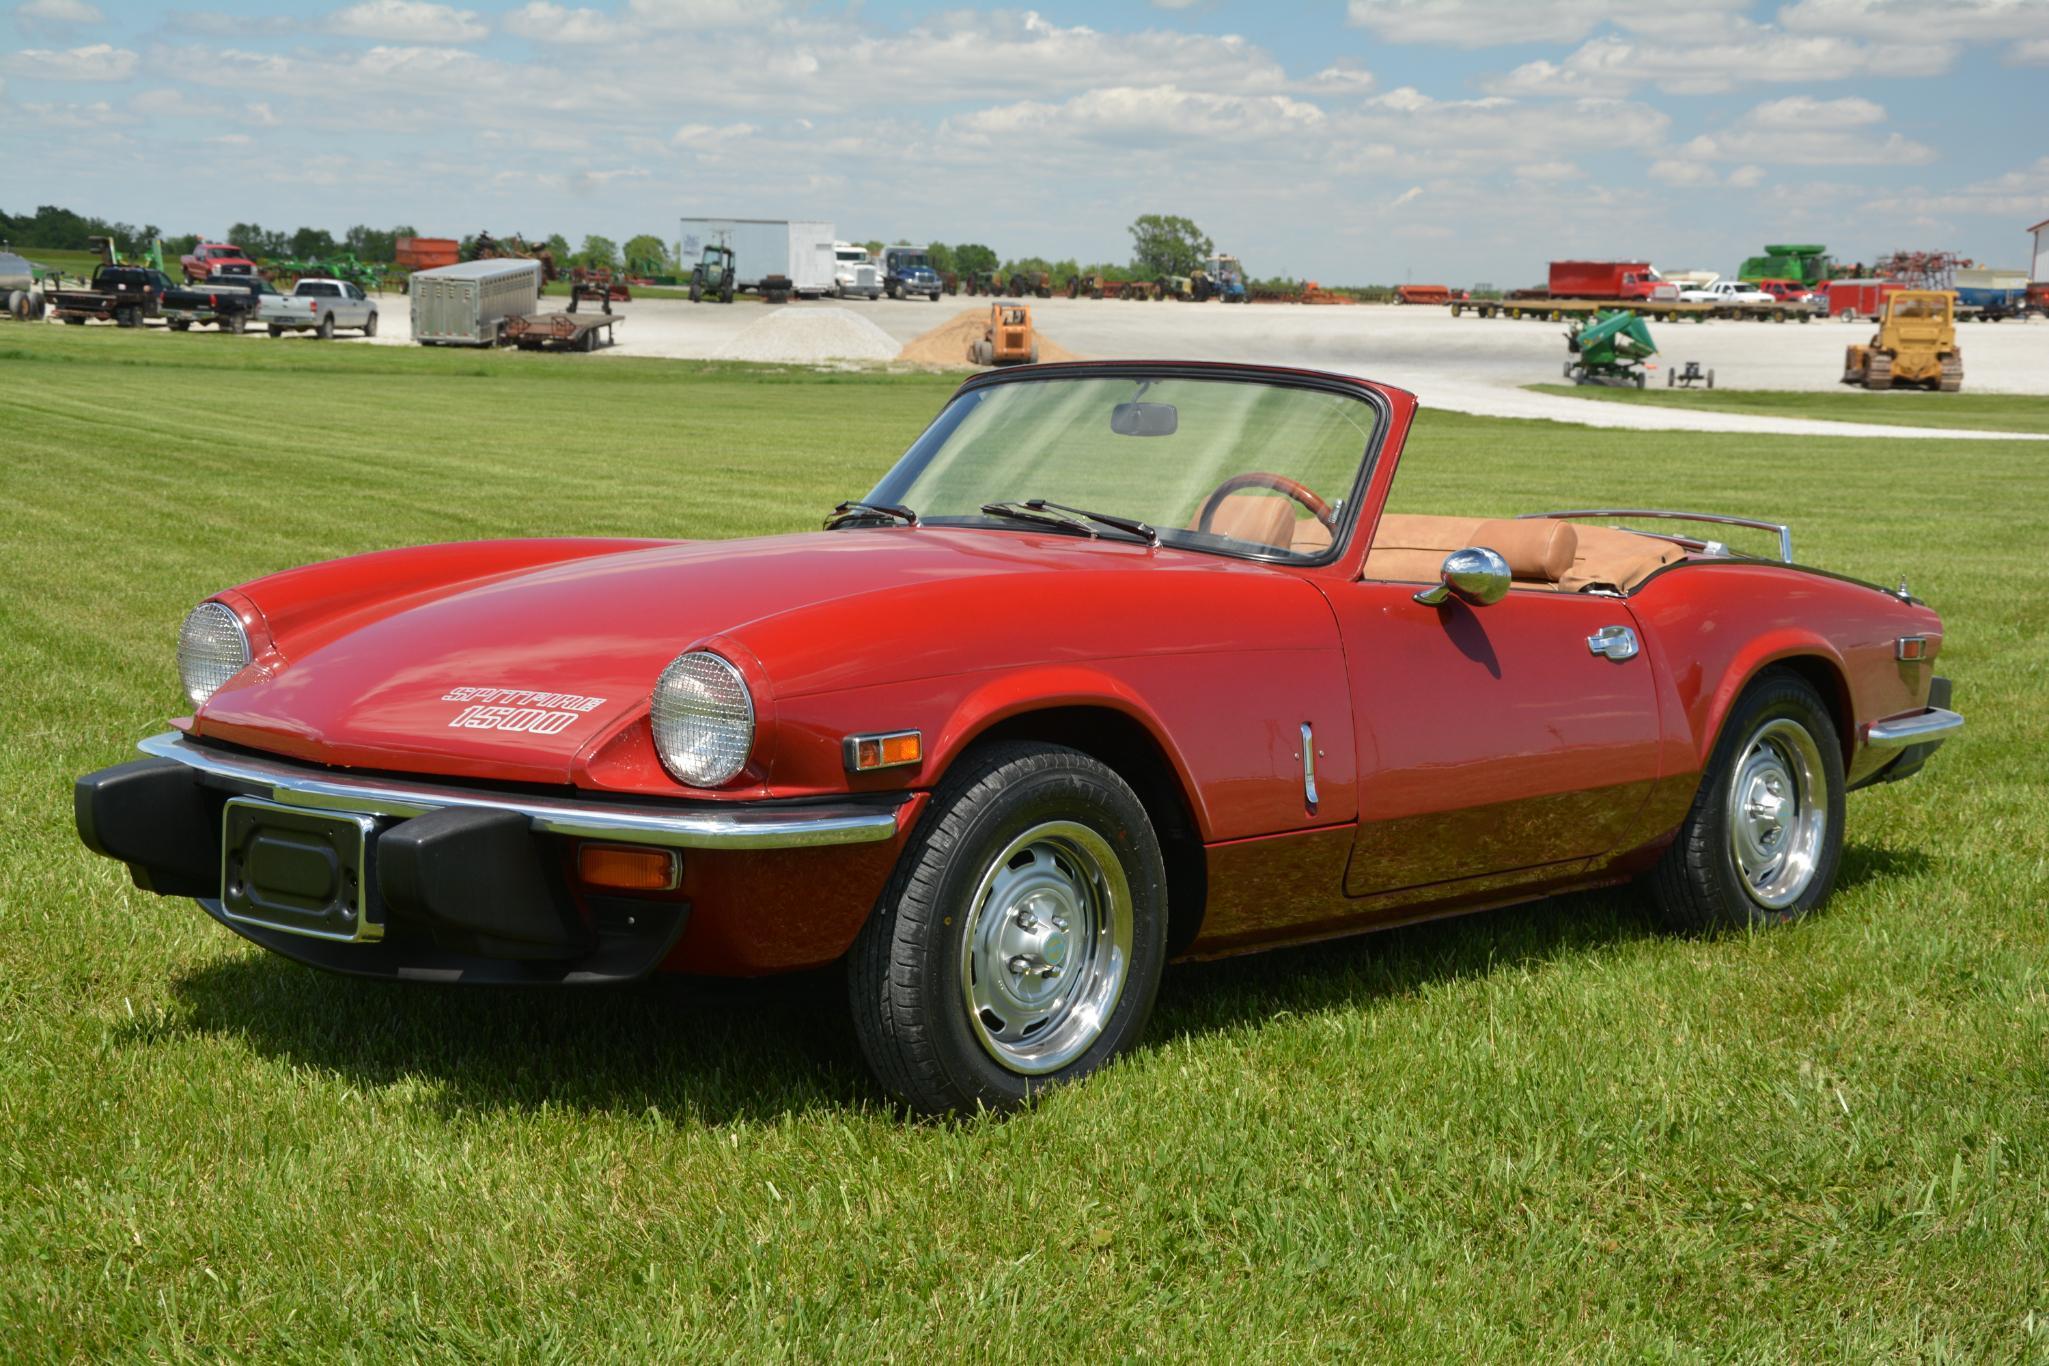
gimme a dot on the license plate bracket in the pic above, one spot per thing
(303, 872)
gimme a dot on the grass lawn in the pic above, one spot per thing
(1541, 1133)
(72, 263)
(1896, 408)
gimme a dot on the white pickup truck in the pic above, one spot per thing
(1726, 292)
(320, 307)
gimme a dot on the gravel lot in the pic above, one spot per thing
(1467, 364)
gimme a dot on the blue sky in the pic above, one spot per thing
(1381, 140)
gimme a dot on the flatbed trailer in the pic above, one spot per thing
(562, 331)
(1660, 310)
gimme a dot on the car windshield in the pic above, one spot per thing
(1233, 465)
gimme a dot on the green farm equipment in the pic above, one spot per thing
(1609, 349)
(1806, 263)
(713, 274)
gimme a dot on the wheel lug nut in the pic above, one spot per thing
(1060, 922)
(1027, 921)
(1019, 965)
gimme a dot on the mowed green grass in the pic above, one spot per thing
(1895, 408)
(1546, 1132)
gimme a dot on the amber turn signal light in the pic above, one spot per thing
(892, 750)
(627, 868)
(1908, 648)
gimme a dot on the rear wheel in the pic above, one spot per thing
(326, 329)
(370, 325)
(276, 331)
(1762, 840)
(180, 325)
(1019, 943)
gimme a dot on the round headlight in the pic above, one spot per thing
(703, 719)
(212, 648)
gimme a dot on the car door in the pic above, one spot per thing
(1493, 738)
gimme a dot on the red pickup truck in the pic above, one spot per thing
(207, 257)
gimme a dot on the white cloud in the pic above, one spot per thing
(1160, 113)
(709, 135)
(171, 103)
(1492, 23)
(549, 23)
(1802, 131)
(1747, 177)
(1408, 196)
(2021, 195)
(54, 13)
(1746, 55)
(261, 114)
(407, 21)
(97, 62)
(695, 14)
(2033, 53)
(1915, 21)
(1702, 175)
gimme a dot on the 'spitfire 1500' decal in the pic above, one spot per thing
(519, 709)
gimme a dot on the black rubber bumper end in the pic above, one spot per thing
(152, 816)
(479, 879)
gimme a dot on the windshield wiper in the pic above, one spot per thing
(1043, 513)
(1145, 531)
(857, 511)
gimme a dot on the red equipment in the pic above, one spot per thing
(1852, 299)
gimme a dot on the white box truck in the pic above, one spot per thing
(466, 304)
(776, 257)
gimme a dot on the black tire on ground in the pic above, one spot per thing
(128, 317)
(326, 329)
(276, 331)
(1671, 377)
(1698, 884)
(907, 972)
(697, 291)
(180, 325)
(74, 322)
(17, 305)
(1711, 379)
(370, 327)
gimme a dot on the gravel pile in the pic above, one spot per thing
(800, 336)
(947, 344)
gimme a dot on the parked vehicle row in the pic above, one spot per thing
(232, 299)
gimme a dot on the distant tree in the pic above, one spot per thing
(648, 255)
(311, 242)
(872, 248)
(1162, 244)
(598, 253)
(969, 257)
(181, 245)
(1063, 271)
(940, 255)
(558, 247)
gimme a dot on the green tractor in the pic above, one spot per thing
(1609, 349)
(713, 274)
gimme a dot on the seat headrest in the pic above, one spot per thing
(1537, 549)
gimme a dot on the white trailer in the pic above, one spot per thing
(467, 304)
(767, 251)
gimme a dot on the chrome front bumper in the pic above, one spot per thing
(740, 827)
(1915, 728)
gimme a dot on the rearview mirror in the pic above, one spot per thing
(1145, 419)
(1476, 575)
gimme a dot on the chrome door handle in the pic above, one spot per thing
(1616, 642)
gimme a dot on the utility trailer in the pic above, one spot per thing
(561, 331)
(470, 302)
(777, 258)
(1661, 310)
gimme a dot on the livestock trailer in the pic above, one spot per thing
(466, 304)
(798, 251)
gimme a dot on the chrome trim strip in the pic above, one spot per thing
(1915, 728)
(1309, 765)
(743, 827)
(1784, 533)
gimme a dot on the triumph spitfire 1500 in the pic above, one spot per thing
(1120, 663)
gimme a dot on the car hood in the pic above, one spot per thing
(399, 688)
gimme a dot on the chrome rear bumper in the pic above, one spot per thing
(1914, 728)
(741, 827)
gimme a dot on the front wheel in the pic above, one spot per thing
(1020, 941)
(1762, 840)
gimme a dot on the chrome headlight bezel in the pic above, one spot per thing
(701, 716)
(213, 646)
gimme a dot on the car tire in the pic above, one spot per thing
(1740, 860)
(370, 327)
(276, 331)
(326, 329)
(1020, 941)
(180, 325)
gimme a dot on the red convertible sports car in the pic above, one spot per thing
(1120, 663)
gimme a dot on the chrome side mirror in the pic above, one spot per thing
(1476, 575)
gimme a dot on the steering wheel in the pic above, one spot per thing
(1279, 483)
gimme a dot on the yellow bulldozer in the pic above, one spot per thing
(1916, 343)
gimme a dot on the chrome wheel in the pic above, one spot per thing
(1047, 947)
(1778, 806)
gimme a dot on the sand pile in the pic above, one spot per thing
(801, 336)
(947, 344)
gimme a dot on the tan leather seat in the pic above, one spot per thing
(1268, 520)
(1410, 548)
